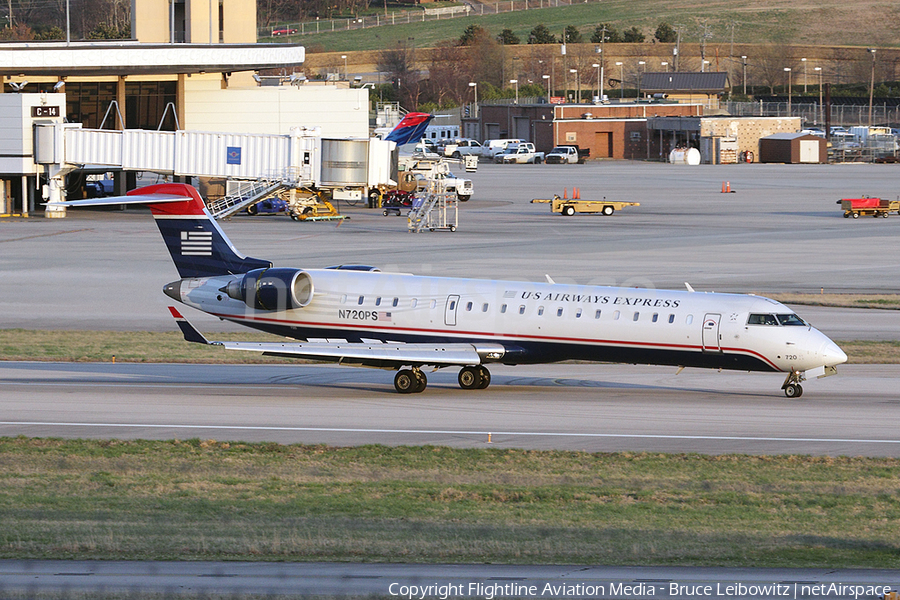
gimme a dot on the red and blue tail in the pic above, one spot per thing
(198, 246)
(410, 129)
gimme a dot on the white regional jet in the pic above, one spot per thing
(358, 315)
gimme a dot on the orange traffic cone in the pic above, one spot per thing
(565, 193)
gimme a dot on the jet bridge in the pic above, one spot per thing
(301, 158)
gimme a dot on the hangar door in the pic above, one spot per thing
(809, 151)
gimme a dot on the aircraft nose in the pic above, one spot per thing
(832, 354)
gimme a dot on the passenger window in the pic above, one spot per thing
(378, 301)
(559, 312)
(396, 301)
(503, 309)
(655, 317)
(689, 319)
(469, 306)
(616, 316)
(540, 311)
(484, 307)
(637, 316)
(413, 303)
(578, 314)
(671, 318)
(361, 299)
(522, 310)
(344, 299)
(597, 315)
(434, 303)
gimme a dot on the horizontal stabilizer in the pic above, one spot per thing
(116, 200)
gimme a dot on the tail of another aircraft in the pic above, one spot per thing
(410, 129)
(198, 246)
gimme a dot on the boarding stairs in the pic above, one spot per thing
(248, 193)
(437, 209)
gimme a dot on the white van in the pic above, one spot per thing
(490, 148)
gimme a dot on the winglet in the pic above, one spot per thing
(688, 286)
(190, 333)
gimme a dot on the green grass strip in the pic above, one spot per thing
(192, 500)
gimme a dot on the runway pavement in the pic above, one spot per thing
(199, 579)
(564, 406)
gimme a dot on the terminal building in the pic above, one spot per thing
(191, 66)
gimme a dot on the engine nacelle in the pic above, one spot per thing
(273, 289)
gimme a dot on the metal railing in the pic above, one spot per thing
(408, 16)
(845, 115)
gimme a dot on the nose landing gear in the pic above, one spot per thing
(791, 386)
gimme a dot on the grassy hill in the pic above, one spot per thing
(819, 22)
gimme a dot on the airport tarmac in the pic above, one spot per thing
(589, 407)
(780, 231)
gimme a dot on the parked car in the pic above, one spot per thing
(98, 188)
(283, 32)
(568, 154)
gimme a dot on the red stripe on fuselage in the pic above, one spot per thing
(503, 336)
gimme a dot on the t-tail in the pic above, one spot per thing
(198, 246)
(410, 129)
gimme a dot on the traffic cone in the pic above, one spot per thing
(723, 187)
(728, 187)
(565, 193)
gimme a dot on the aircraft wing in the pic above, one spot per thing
(371, 354)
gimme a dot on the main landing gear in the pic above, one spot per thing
(413, 381)
(792, 387)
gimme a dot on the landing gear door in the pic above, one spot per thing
(711, 332)
(450, 310)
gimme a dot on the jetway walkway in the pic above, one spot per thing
(301, 158)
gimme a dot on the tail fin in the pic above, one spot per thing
(198, 246)
(410, 129)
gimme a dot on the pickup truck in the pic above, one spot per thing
(523, 153)
(462, 147)
(569, 154)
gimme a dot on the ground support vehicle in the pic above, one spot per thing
(569, 207)
(876, 207)
(568, 154)
(520, 154)
(269, 206)
(396, 202)
(439, 169)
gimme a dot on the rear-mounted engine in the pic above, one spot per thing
(273, 289)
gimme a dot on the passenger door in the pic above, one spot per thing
(450, 310)
(711, 332)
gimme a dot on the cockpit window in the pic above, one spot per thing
(791, 319)
(762, 319)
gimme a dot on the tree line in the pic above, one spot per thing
(478, 56)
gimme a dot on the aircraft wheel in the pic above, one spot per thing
(421, 381)
(793, 390)
(608, 210)
(470, 378)
(406, 382)
(568, 211)
(485, 377)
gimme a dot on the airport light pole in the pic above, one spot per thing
(641, 64)
(744, 59)
(872, 85)
(803, 60)
(621, 66)
(821, 108)
(597, 66)
(516, 82)
(577, 84)
(344, 56)
(788, 71)
(547, 77)
(474, 85)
